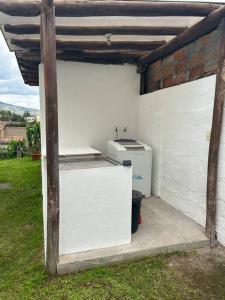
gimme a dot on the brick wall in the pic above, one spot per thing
(196, 60)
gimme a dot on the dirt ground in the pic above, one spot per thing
(204, 269)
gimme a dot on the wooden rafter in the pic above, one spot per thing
(32, 44)
(97, 30)
(205, 26)
(108, 8)
(33, 59)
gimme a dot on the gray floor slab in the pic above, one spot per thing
(5, 186)
(163, 230)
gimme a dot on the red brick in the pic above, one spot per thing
(180, 55)
(212, 52)
(196, 72)
(157, 75)
(205, 40)
(180, 78)
(167, 70)
(197, 59)
(209, 73)
(155, 85)
(211, 69)
(167, 82)
(157, 64)
(179, 68)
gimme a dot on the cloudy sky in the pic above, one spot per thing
(12, 88)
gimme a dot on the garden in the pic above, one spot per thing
(194, 275)
(26, 147)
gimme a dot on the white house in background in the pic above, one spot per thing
(98, 89)
(30, 119)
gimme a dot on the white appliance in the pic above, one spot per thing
(141, 158)
(95, 202)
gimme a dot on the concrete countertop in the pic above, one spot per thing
(85, 164)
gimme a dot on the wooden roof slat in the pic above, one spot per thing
(91, 45)
(204, 27)
(97, 30)
(107, 57)
(103, 57)
(28, 8)
(95, 50)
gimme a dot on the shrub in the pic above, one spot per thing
(15, 146)
(3, 153)
(34, 137)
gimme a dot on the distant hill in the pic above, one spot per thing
(18, 109)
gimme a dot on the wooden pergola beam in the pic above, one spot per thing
(214, 144)
(48, 42)
(33, 44)
(33, 59)
(29, 62)
(27, 65)
(30, 72)
(198, 30)
(97, 30)
(31, 83)
(29, 8)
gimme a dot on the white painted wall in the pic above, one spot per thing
(175, 122)
(95, 217)
(98, 216)
(93, 100)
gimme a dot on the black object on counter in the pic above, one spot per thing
(136, 207)
(127, 163)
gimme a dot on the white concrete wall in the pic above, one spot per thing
(176, 122)
(98, 216)
(93, 100)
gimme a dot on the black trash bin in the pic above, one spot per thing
(136, 207)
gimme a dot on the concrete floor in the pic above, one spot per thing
(163, 230)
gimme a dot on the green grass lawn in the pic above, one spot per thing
(22, 274)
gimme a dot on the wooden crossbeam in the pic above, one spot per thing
(91, 45)
(108, 57)
(33, 58)
(28, 8)
(201, 28)
(101, 57)
(97, 30)
(29, 62)
(29, 71)
(26, 65)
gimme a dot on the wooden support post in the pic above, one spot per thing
(215, 142)
(51, 106)
(143, 81)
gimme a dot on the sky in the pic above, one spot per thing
(13, 90)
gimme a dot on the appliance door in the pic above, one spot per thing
(142, 166)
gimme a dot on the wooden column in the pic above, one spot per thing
(142, 80)
(143, 83)
(215, 142)
(48, 42)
